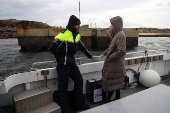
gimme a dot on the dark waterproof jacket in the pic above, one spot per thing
(65, 46)
(114, 66)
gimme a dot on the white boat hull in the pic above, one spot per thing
(24, 81)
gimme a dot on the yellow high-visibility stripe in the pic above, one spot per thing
(67, 36)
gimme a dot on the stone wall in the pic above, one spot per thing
(94, 39)
(36, 38)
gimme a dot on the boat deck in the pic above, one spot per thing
(138, 99)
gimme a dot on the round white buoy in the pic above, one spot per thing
(149, 78)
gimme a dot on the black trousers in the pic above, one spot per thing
(108, 95)
(64, 72)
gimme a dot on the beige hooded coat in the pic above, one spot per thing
(114, 66)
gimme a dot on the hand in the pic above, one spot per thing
(102, 55)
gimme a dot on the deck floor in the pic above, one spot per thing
(128, 93)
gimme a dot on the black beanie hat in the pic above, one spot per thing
(73, 21)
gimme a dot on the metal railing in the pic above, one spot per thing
(33, 68)
(84, 60)
(146, 51)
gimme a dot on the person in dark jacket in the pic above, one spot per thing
(64, 47)
(113, 72)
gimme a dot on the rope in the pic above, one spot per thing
(130, 69)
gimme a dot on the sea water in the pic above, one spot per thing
(13, 60)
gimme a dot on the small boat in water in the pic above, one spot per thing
(31, 92)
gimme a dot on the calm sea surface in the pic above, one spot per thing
(13, 60)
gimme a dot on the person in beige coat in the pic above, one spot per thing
(113, 72)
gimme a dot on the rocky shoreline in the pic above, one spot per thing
(8, 28)
(8, 32)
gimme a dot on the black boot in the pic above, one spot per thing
(104, 95)
(117, 95)
(68, 111)
(105, 101)
(115, 99)
(108, 98)
(82, 107)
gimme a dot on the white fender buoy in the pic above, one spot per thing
(149, 78)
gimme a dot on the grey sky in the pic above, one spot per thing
(135, 13)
